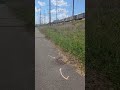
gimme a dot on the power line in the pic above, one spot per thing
(56, 7)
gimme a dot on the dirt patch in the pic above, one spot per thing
(71, 60)
(59, 60)
(66, 58)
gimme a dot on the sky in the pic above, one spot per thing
(64, 9)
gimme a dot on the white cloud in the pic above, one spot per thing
(59, 2)
(41, 3)
(53, 11)
(37, 9)
(62, 15)
(59, 10)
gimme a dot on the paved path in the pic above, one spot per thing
(16, 53)
(47, 74)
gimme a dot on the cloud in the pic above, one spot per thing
(59, 10)
(59, 3)
(62, 15)
(37, 9)
(41, 3)
(53, 11)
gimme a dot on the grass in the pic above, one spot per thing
(71, 38)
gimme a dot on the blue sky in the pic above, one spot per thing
(64, 9)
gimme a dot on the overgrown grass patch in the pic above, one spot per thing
(69, 38)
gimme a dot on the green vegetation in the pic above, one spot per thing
(70, 37)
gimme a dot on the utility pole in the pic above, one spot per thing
(44, 17)
(50, 12)
(40, 16)
(56, 9)
(73, 9)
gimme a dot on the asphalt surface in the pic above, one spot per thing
(47, 74)
(17, 59)
(16, 53)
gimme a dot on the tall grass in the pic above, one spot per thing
(71, 38)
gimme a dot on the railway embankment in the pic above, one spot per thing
(70, 39)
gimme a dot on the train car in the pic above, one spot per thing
(65, 19)
(55, 21)
(69, 19)
(80, 16)
(74, 17)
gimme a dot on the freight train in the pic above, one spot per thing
(75, 17)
